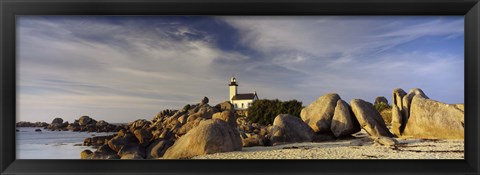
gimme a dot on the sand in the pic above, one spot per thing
(360, 147)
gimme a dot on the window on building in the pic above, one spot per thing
(242, 105)
(249, 104)
(236, 105)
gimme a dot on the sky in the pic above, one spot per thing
(123, 68)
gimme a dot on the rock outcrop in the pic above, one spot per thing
(85, 154)
(211, 136)
(433, 119)
(103, 152)
(344, 122)
(83, 124)
(381, 99)
(318, 115)
(158, 148)
(97, 141)
(460, 106)
(122, 139)
(57, 124)
(255, 140)
(407, 100)
(225, 106)
(29, 124)
(397, 97)
(369, 118)
(138, 124)
(132, 151)
(85, 120)
(399, 120)
(227, 116)
(415, 115)
(144, 136)
(290, 129)
(398, 123)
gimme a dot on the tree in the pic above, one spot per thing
(264, 111)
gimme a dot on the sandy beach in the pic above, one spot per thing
(358, 148)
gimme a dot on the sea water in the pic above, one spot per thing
(51, 144)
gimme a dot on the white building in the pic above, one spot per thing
(240, 101)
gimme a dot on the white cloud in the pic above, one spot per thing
(123, 64)
(116, 71)
(353, 55)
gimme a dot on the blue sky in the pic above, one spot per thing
(120, 68)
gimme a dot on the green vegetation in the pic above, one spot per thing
(186, 107)
(385, 111)
(382, 106)
(264, 111)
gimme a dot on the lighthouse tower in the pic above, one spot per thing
(240, 101)
(233, 88)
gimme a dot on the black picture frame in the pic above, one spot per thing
(9, 9)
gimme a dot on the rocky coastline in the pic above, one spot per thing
(199, 130)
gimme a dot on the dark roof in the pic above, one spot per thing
(244, 96)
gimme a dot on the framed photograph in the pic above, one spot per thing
(267, 87)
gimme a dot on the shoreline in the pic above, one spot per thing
(359, 148)
(51, 144)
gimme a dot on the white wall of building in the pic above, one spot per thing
(233, 92)
(238, 104)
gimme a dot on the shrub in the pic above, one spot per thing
(264, 111)
(186, 107)
(382, 106)
(385, 111)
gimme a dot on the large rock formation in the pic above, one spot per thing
(344, 122)
(407, 99)
(144, 136)
(255, 140)
(381, 99)
(225, 106)
(83, 124)
(132, 151)
(121, 140)
(460, 106)
(290, 129)
(399, 120)
(85, 154)
(227, 116)
(158, 148)
(211, 136)
(84, 120)
(318, 115)
(103, 152)
(97, 140)
(101, 123)
(397, 97)
(57, 121)
(151, 139)
(57, 124)
(401, 108)
(433, 119)
(139, 124)
(369, 118)
(398, 123)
